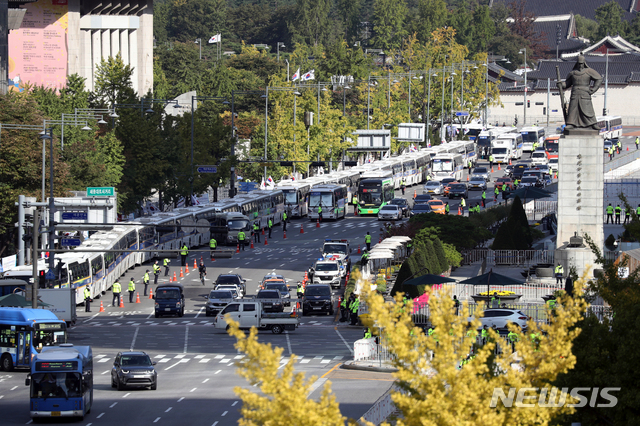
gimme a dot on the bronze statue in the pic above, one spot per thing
(580, 113)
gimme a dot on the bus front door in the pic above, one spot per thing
(23, 348)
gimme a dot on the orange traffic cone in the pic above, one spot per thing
(262, 231)
(195, 265)
(627, 148)
(467, 178)
(318, 223)
(251, 244)
(459, 211)
(181, 274)
(101, 307)
(491, 169)
(306, 277)
(121, 302)
(174, 275)
(415, 193)
(137, 297)
(509, 161)
(201, 260)
(213, 259)
(359, 250)
(355, 210)
(499, 166)
(186, 271)
(284, 235)
(301, 229)
(151, 293)
(238, 249)
(265, 242)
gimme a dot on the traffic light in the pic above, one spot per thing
(544, 110)
(528, 103)
(41, 280)
(27, 237)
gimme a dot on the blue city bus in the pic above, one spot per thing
(61, 382)
(25, 332)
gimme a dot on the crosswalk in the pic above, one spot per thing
(228, 360)
(150, 323)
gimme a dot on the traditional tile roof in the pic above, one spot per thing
(548, 28)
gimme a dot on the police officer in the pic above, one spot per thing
(484, 334)
(165, 263)
(256, 232)
(504, 187)
(156, 272)
(320, 212)
(284, 221)
(367, 333)
(609, 213)
(203, 271)
(456, 303)
(513, 338)
(638, 210)
(364, 259)
(344, 311)
(353, 308)
(270, 224)
(402, 185)
(116, 289)
(495, 300)
(618, 213)
(132, 288)
(463, 204)
(145, 280)
(87, 299)
(637, 142)
(559, 271)
(241, 239)
(184, 251)
(490, 161)
(515, 183)
(496, 191)
(611, 153)
(446, 208)
(484, 198)
(212, 245)
(627, 215)
(619, 146)
(367, 240)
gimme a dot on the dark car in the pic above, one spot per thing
(317, 298)
(518, 171)
(421, 199)
(217, 300)
(458, 190)
(133, 369)
(169, 300)
(231, 279)
(271, 301)
(420, 208)
(283, 289)
(482, 171)
(403, 204)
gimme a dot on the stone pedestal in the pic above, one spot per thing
(580, 197)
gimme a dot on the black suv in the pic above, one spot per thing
(231, 279)
(317, 298)
(271, 300)
(402, 204)
(133, 368)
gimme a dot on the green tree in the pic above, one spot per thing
(484, 29)
(610, 20)
(388, 24)
(515, 233)
(462, 20)
(192, 19)
(113, 81)
(440, 254)
(586, 27)
(432, 14)
(311, 23)
(350, 12)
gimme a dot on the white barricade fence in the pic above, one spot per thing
(365, 349)
(381, 409)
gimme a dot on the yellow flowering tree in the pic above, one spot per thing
(437, 392)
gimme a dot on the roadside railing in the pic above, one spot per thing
(507, 257)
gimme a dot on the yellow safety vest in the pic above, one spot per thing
(132, 286)
(212, 243)
(184, 250)
(116, 288)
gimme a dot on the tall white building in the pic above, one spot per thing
(62, 37)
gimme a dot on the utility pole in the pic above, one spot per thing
(34, 258)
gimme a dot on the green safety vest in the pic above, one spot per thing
(132, 286)
(638, 210)
(462, 202)
(446, 208)
(367, 238)
(156, 268)
(491, 158)
(484, 195)
(618, 210)
(485, 333)
(367, 334)
(559, 269)
(619, 143)
(284, 216)
(241, 236)
(513, 337)
(504, 187)
(355, 200)
(184, 250)
(87, 293)
(213, 243)
(319, 209)
(552, 303)
(165, 262)
(145, 279)
(270, 224)
(344, 303)
(255, 227)
(609, 210)
(496, 190)
(354, 305)
(116, 288)
(637, 140)
(300, 289)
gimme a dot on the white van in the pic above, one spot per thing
(539, 158)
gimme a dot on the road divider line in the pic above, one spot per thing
(156, 420)
(234, 403)
(205, 380)
(181, 399)
(113, 405)
(168, 409)
(286, 334)
(135, 336)
(14, 388)
(344, 341)
(100, 415)
(126, 394)
(199, 312)
(105, 372)
(224, 414)
(217, 372)
(193, 390)
(91, 317)
(186, 340)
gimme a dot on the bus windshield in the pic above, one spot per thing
(290, 196)
(56, 385)
(237, 224)
(499, 150)
(529, 137)
(440, 165)
(484, 141)
(370, 193)
(49, 334)
(551, 146)
(320, 197)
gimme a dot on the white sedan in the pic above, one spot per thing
(390, 212)
(500, 317)
(433, 187)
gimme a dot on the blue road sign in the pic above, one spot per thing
(50, 275)
(208, 169)
(70, 242)
(462, 113)
(75, 216)
(554, 110)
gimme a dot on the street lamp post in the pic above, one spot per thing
(524, 120)
(199, 43)
(606, 83)
(280, 44)
(193, 100)
(266, 118)
(48, 134)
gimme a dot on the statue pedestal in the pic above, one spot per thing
(580, 197)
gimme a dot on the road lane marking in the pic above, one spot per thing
(31, 421)
(205, 380)
(186, 340)
(135, 336)
(343, 340)
(100, 415)
(214, 423)
(113, 405)
(168, 409)
(192, 390)
(105, 372)
(126, 394)
(156, 420)
(224, 414)
(14, 388)
(217, 372)
(286, 334)
(153, 311)
(181, 399)
(234, 403)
